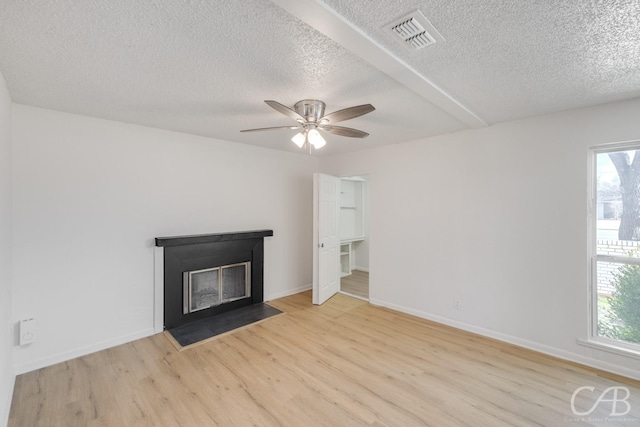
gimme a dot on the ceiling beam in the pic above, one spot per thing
(327, 21)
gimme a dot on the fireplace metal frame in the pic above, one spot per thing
(187, 286)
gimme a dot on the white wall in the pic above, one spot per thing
(90, 195)
(496, 217)
(7, 376)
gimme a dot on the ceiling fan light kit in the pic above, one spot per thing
(309, 113)
(312, 136)
(299, 139)
(316, 139)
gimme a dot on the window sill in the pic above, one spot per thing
(611, 348)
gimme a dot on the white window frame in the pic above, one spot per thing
(593, 340)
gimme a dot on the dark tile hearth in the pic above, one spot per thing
(203, 329)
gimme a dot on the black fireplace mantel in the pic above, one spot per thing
(212, 238)
(196, 252)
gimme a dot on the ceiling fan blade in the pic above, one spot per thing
(343, 131)
(271, 128)
(285, 110)
(347, 113)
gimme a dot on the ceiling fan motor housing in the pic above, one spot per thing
(311, 109)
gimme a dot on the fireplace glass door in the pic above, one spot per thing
(213, 286)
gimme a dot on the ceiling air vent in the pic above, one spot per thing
(414, 31)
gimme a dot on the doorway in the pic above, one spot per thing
(354, 236)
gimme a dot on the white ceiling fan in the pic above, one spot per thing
(309, 113)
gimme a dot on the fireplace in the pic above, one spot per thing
(210, 274)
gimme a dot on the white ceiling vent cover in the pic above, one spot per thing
(414, 31)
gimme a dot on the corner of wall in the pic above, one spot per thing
(7, 374)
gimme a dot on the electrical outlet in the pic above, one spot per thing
(27, 331)
(457, 303)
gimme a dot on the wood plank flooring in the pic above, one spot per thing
(357, 283)
(345, 363)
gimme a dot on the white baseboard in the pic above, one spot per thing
(287, 293)
(540, 348)
(365, 269)
(4, 416)
(21, 368)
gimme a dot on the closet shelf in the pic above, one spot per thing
(352, 239)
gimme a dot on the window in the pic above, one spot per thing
(615, 246)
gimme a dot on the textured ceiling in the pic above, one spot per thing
(204, 67)
(514, 59)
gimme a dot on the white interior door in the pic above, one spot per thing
(326, 238)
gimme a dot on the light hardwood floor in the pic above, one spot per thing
(345, 363)
(357, 283)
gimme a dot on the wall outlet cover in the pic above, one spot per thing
(27, 331)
